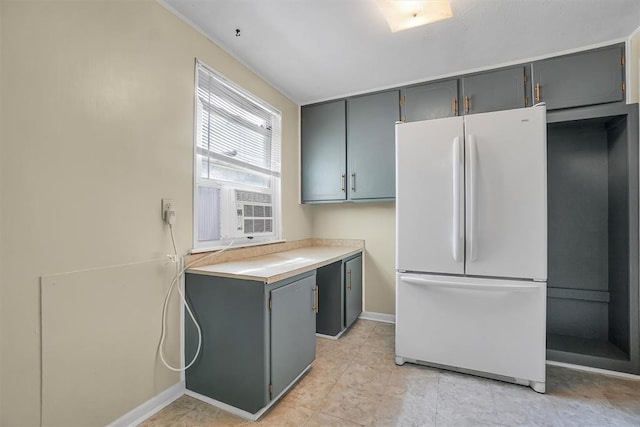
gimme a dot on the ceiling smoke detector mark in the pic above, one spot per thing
(405, 14)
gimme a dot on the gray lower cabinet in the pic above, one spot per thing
(250, 352)
(339, 295)
(293, 323)
(352, 290)
(496, 90)
(431, 101)
(329, 319)
(371, 145)
(323, 152)
(580, 79)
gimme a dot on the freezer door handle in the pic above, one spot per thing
(512, 287)
(472, 197)
(456, 199)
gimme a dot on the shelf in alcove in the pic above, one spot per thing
(586, 346)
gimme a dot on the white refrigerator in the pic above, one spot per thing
(471, 248)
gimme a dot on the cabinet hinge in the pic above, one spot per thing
(270, 390)
(403, 100)
(622, 61)
(526, 101)
(624, 86)
(270, 304)
(526, 79)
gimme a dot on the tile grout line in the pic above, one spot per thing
(435, 421)
(493, 399)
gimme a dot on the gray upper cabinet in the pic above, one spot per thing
(431, 101)
(348, 145)
(323, 152)
(586, 78)
(371, 145)
(494, 91)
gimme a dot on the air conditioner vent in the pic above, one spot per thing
(252, 197)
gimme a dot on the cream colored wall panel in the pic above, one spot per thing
(375, 224)
(97, 113)
(102, 327)
(634, 67)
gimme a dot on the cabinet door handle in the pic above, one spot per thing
(537, 92)
(466, 104)
(344, 184)
(454, 106)
(314, 293)
(349, 280)
(353, 181)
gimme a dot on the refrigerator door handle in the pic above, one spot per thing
(472, 197)
(456, 199)
(513, 287)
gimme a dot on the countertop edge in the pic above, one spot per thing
(276, 278)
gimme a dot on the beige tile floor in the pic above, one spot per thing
(354, 382)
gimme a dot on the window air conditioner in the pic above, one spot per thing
(246, 213)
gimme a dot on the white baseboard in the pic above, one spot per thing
(378, 317)
(331, 337)
(150, 407)
(594, 370)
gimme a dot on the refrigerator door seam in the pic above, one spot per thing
(472, 198)
(456, 199)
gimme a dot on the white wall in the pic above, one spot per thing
(97, 114)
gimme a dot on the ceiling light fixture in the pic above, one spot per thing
(405, 14)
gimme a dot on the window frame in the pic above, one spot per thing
(275, 179)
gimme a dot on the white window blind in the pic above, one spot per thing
(237, 150)
(235, 128)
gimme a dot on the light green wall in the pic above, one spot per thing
(375, 223)
(97, 103)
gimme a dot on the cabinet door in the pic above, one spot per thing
(586, 78)
(494, 91)
(323, 152)
(330, 299)
(431, 101)
(371, 145)
(293, 329)
(352, 290)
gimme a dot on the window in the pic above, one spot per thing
(237, 165)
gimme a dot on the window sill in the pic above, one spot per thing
(244, 245)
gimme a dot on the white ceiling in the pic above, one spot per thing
(314, 50)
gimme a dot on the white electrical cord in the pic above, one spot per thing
(179, 273)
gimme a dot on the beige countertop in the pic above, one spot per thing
(277, 266)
